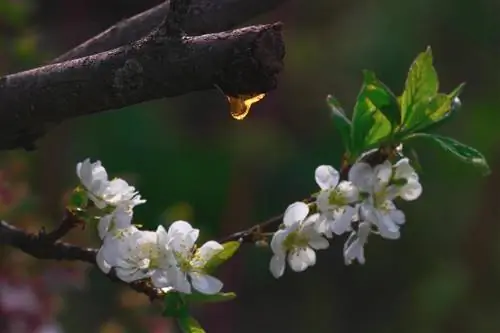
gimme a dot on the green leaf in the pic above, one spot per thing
(455, 106)
(459, 150)
(431, 114)
(382, 97)
(369, 125)
(189, 325)
(203, 298)
(229, 250)
(421, 84)
(340, 120)
(175, 306)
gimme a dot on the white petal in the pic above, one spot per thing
(205, 253)
(296, 261)
(326, 177)
(383, 172)
(296, 212)
(180, 227)
(362, 176)
(348, 191)
(103, 225)
(308, 256)
(277, 266)
(318, 242)
(179, 281)
(312, 220)
(323, 227)
(354, 251)
(101, 263)
(397, 216)
(159, 279)
(122, 217)
(411, 191)
(386, 226)
(403, 169)
(182, 237)
(205, 284)
(162, 236)
(129, 275)
(342, 223)
(277, 242)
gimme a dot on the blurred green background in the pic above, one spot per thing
(191, 160)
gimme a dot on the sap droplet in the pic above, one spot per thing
(239, 106)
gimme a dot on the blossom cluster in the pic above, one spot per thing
(169, 258)
(361, 205)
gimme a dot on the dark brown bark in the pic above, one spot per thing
(203, 16)
(243, 61)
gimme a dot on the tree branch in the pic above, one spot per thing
(172, 24)
(243, 61)
(203, 16)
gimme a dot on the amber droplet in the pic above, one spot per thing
(240, 105)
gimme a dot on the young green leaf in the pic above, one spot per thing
(369, 125)
(421, 84)
(455, 106)
(431, 114)
(459, 150)
(382, 97)
(340, 120)
(203, 298)
(189, 325)
(175, 306)
(229, 250)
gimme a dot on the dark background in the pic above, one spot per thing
(191, 160)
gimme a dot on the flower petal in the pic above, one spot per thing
(101, 263)
(342, 223)
(103, 225)
(277, 242)
(205, 253)
(318, 242)
(277, 265)
(403, 169)
(131, 274)
(205, 284)
(348, 191)
(296, 261)
(397, 216)
(159, 279)
(362, 176)
(383, 172)
(326, 177)
(308, 256)
(296, 212)
(178, 280)
(411, 191)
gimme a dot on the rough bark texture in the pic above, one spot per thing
(203, 16)
(43, 246)
(242, 61)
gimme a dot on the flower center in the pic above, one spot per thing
(337, 198)
(294, 240)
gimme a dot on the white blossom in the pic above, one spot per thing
(333, 201)
(133, 253)
(103, 192)
(379, 186)
(297, 241)
(185, 266)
